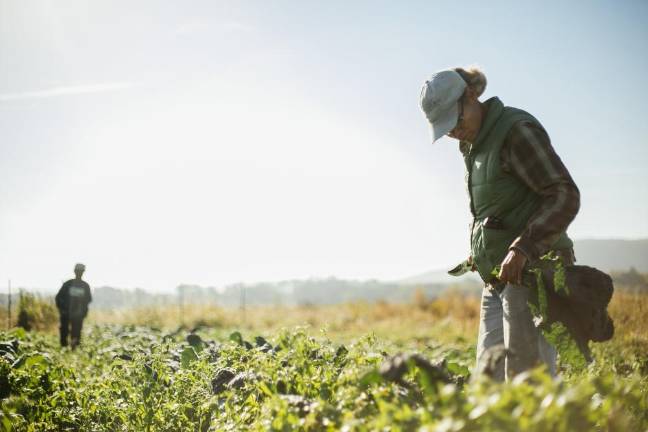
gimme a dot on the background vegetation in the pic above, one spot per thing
(354, 366)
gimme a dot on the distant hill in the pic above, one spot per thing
(439, 276)
(606, 255)
(613, 254)
(288, 292)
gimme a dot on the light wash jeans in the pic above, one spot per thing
(505, 319)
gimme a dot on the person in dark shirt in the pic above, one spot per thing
(72, 302)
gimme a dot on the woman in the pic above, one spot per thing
(522, 199)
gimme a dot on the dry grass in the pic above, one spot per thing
(628, 349)
(445, 319)
(630, 314)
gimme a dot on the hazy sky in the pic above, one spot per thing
(213, 142)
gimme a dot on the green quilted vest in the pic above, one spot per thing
(494, 193)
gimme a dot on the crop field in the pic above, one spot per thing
(348, 367)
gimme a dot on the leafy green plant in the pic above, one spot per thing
(555, 333)
(137, 378)
(35, 312)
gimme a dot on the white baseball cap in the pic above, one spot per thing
(439, 97)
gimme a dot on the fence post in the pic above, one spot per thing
(243, 302)
(9, 307)
(181, 300)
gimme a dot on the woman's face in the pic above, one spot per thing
(470, 118)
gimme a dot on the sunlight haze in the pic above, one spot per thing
(163, 143)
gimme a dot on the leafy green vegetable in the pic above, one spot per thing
(188, 355)
(556, 333)
(307, 384)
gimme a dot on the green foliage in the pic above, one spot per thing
(559, 278)
(556, 333)
(132, 378)
(570, 356)
(35, 312)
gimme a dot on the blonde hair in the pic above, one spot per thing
(474, 77)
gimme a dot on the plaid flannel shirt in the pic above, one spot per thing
(528, 154)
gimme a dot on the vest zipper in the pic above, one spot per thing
(470, 195)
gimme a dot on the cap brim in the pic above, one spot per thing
(445, 123)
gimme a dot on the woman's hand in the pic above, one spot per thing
(473, 267)
(511, 267)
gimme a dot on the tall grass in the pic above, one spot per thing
(627, 352)
(447, 318)
(30, 311)
(630, 314)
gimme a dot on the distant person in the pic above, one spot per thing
(522, 199)
(72, 302)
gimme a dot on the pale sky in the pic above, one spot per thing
(208, 142)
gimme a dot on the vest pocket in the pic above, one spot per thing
(495, 237)
(496, 244)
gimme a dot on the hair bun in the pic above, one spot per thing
(474, 77)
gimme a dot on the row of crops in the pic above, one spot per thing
(142, 379)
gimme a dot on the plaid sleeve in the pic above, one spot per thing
(529, 155)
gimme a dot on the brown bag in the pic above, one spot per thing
(583, 307)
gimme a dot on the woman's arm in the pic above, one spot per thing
(529, 155)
